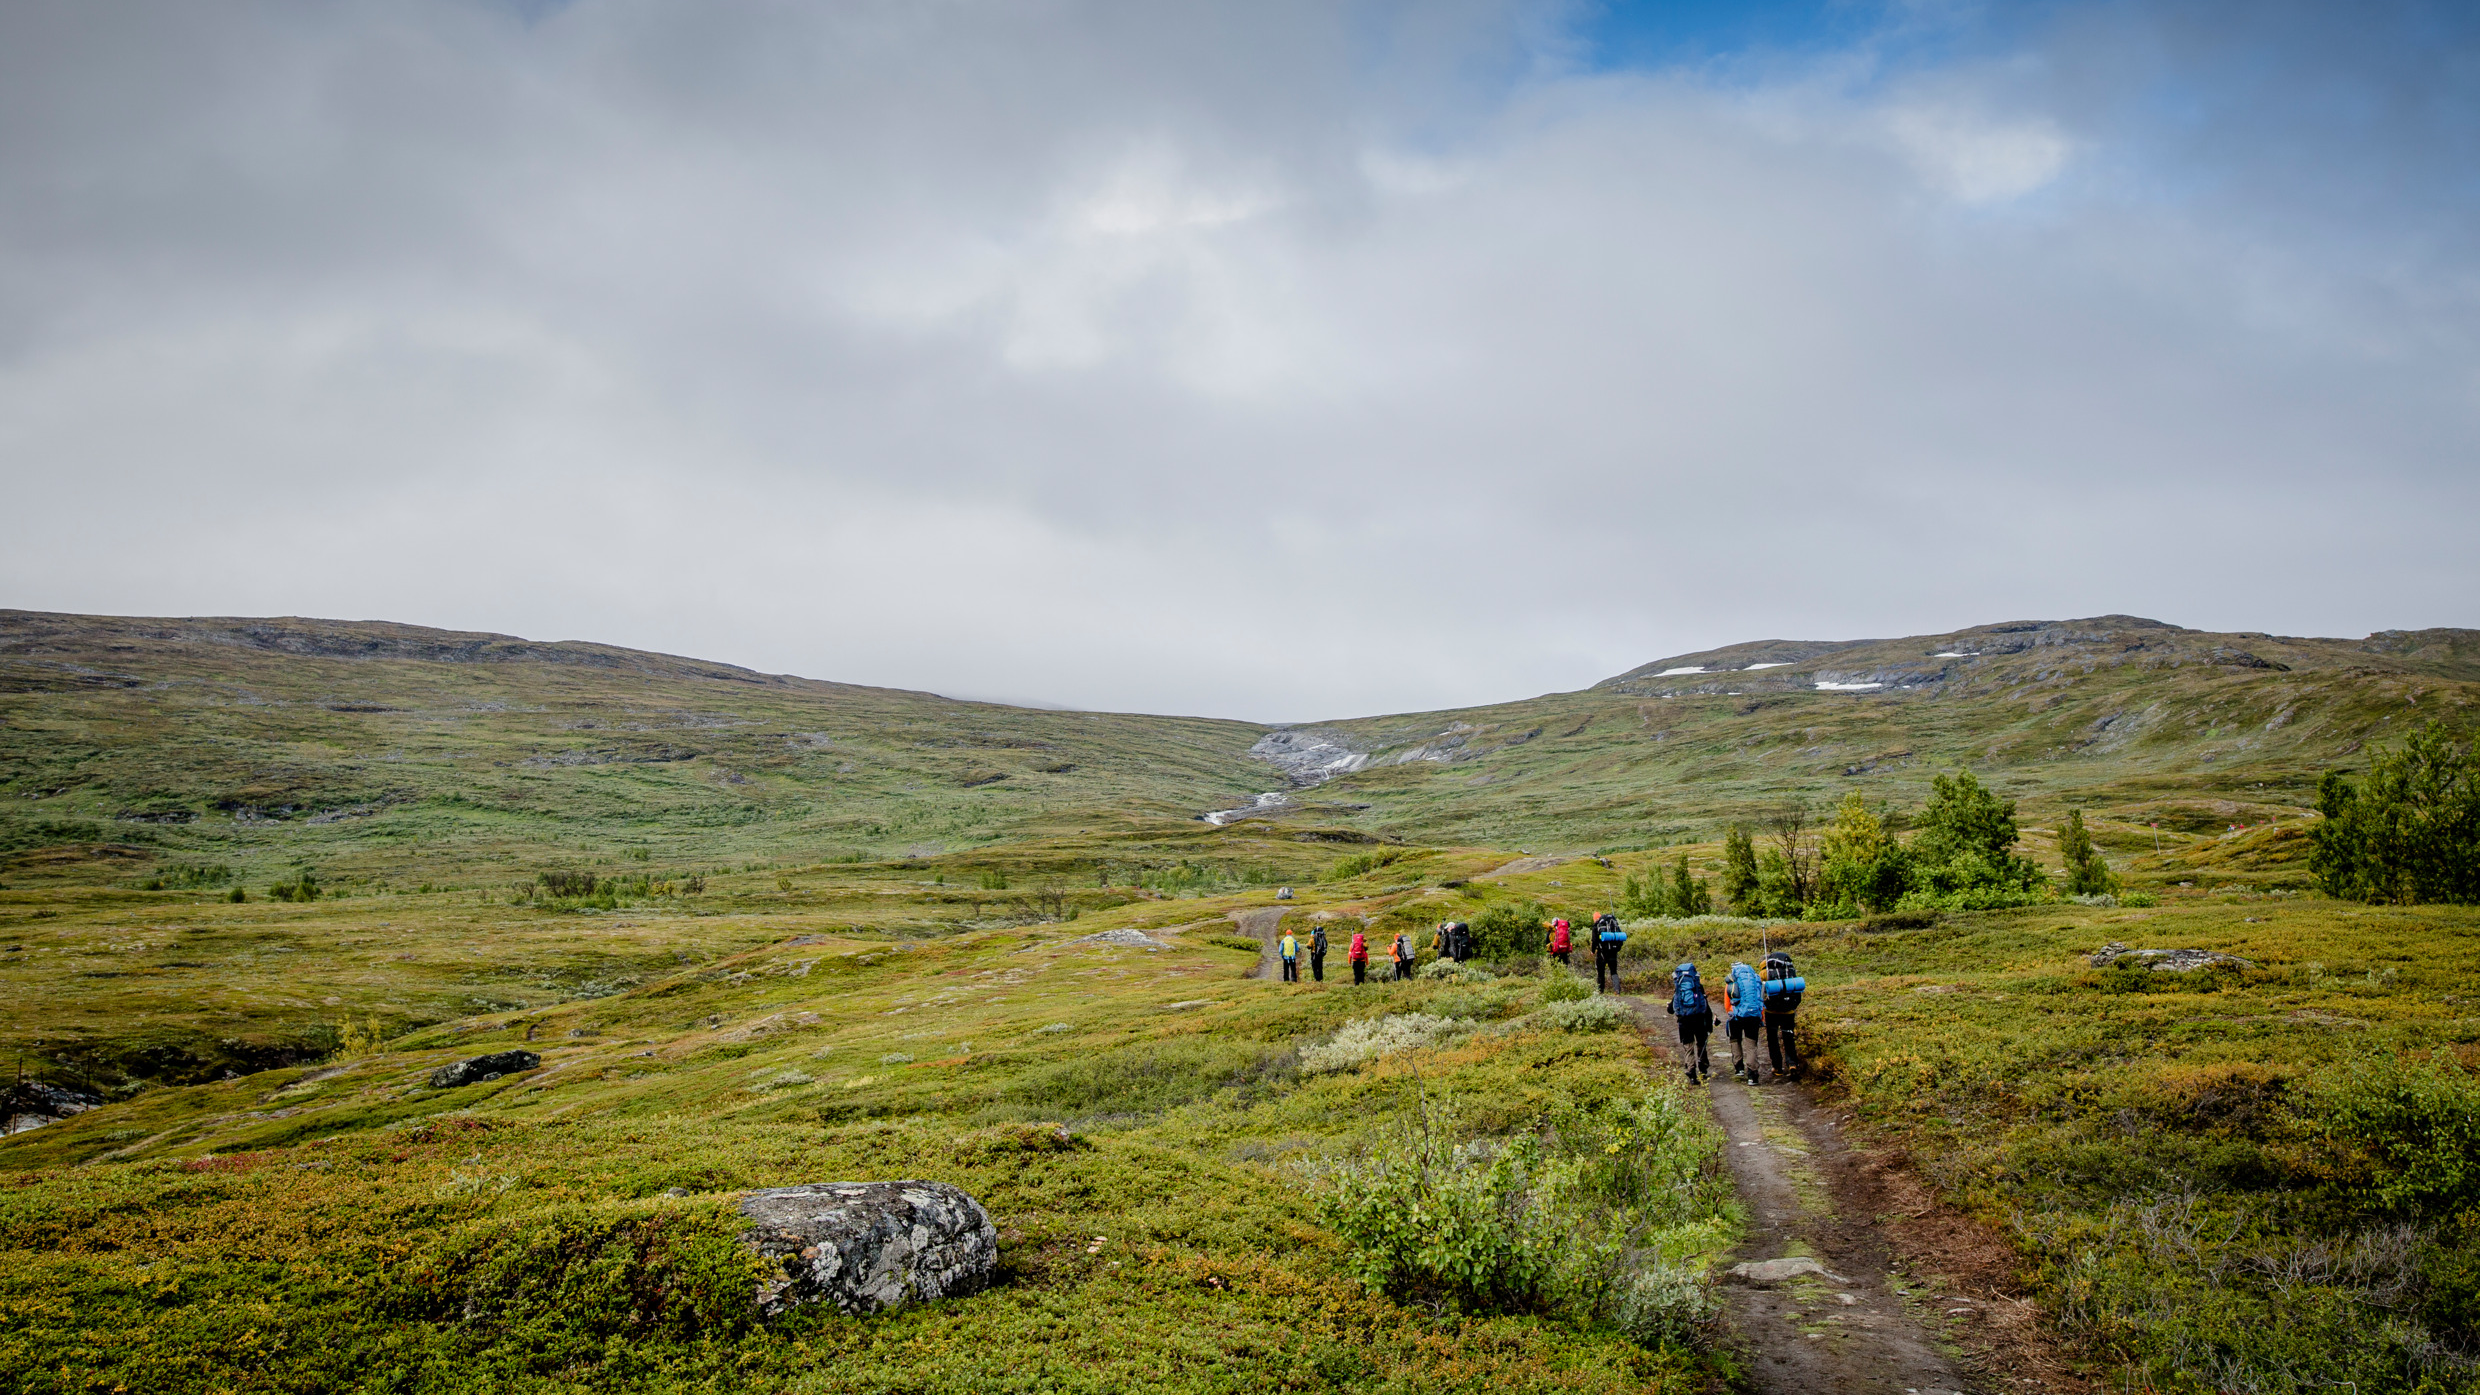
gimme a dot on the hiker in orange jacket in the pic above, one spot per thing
(1403, 955)
(1359, 955)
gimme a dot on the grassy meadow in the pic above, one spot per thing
(766, 931)
(345, 1226)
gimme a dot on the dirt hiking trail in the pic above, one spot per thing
(1265, 924)
(1900, 1295)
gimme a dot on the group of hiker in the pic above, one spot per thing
(1453, 942)
(1755, 1001)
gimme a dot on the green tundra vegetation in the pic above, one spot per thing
(835, 932)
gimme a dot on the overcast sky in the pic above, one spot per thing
(1268, 360)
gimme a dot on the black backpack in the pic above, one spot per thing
(1783, 983)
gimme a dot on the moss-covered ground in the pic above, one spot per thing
(345, 1226)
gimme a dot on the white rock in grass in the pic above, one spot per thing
(1775, 1271)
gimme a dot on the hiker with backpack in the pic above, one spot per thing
(1783, 986)
(1696, 1017)
(1559, 942)
(1608, 940)
(1442, 944)
(1358, 953)
(1317, 953)
(1289, 948)
(1743, 1003)
(1403, 955)
(1459, 940)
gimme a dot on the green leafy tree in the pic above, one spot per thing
(1741, 884)
(1511, 929)
(1964, 851)
(1646, 897)
(1689, 895)
(1862, 867)
(2409, 832)
(2087, 874)
(1777, 895)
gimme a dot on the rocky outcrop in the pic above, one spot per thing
(482, 1068)
(2167, 960)
(867, 1247)
(29, 1104)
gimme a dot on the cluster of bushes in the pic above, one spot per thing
(302, 888)
(1960, 856)
(2409, 831)
(187, 876)
(1360, 864)
(574, 890)
(1597, 1215)
(2326, 1235)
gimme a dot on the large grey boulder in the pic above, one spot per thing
(866, 1247)
(490, 1067)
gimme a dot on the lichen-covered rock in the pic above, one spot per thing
(2167, 960)
(490, 1067)
(866, 1247)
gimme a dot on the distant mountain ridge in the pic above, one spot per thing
(249, 739)
(1917, 660)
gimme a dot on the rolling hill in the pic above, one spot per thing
(375, 753)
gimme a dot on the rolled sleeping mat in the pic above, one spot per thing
(1776, 987)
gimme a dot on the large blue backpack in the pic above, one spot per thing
(1687, 992)
(1747, 994)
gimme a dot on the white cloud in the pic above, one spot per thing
(1977, 160)
(1169, 358)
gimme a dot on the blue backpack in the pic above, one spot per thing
(1747, 994)
(1687, 992)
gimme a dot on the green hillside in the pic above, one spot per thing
(2135, 721)
(387, 755)
(382, 754)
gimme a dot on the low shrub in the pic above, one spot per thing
(1153, 1077)
(1601, 1215)
(1448, 971)
(1369, 1038)
(2418, 1124)
(1593, 1013)
(1564, 988)
(1361, 864)
(1241, 942)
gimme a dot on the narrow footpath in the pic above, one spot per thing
(1266, 925)
(1814, 1294)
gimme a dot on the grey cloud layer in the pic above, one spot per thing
(1261, 360)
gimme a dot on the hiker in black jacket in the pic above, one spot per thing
(1317, 953)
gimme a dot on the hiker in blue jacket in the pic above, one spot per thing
(1743, 1002)
(1608, 940)
(1696, 1017)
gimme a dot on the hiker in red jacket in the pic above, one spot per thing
(1359, 954)
(1559, 942)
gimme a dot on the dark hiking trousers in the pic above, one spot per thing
(1694, 1029)
(1291, 971)
(1782, 1043)
(1360, 971)
(1317, 966)
(1403, 968)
